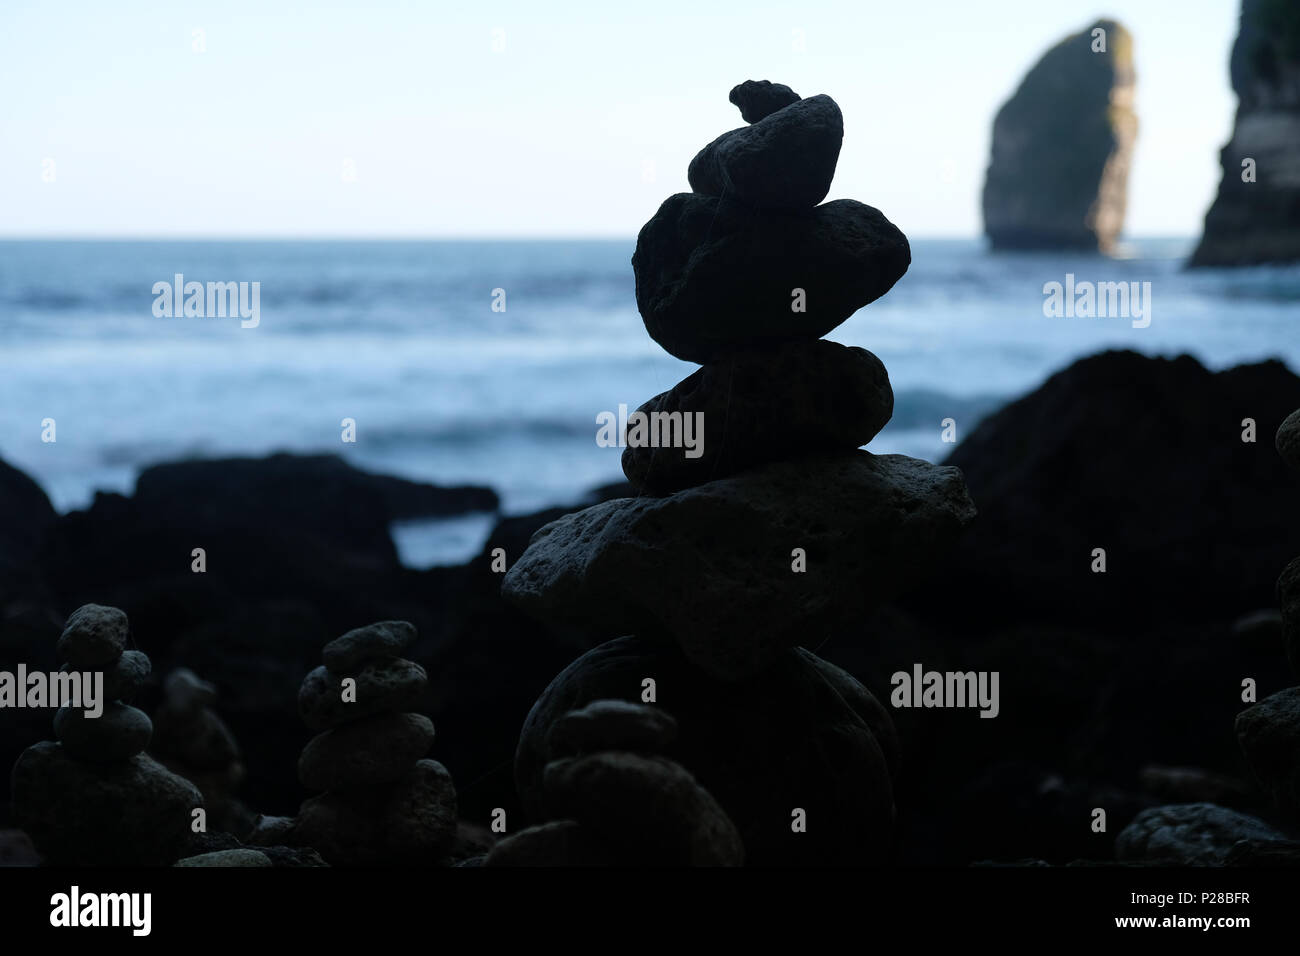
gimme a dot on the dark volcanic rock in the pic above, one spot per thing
(315, 497)
(1062, 146)
(1188, 834)
(368, 752)
(714, 275)
(712, 567)
(759, 98)
(558, 843)
(785, 739)
(1264, 853)
(765, 405)
(128, 674)
(129, 813)
(1257, 218)
(93, 638)
(385, 639)
(25, 516)
(1288, 598)
(412, 821)
(650, 805)
(784, 161)
(1288, 440)
(1269, 735)
(121, 731)
(612, 725)
(384, 686)
(1139, 456)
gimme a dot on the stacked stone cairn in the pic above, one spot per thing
(95, 798)
(617, 801)
(383, 803)
(777, 529)
(191, 739)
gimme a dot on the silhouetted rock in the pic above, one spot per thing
(713, 275)
(1062, 146)
(1288, 440)
(369, 752)
(1288, 598)
(785, 160)
(649, 806)
(785, 739)
(1255, 217)
(1188, 834)
(385, 639)
(382, 686)
(1143, 458)
(557, 843)
(865, 523)
(1269, 735)
(131, 812)
(121, 731)
(765, 405)
(93, 637)
(759, 98)
(612, 725)
(25, 516)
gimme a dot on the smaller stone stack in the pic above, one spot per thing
(94, 797)
(1269, 732)
(616, 800)
(383, 803)
(192, 740)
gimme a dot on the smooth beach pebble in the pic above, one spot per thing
(93, 637)
(121, 731)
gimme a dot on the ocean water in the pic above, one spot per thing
(402, 338)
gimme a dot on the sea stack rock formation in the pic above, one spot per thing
(383, 802)
(1255, 217)
(768, 526)
(1062, 145)
(95, 798)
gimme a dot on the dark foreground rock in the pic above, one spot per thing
(656, 566)
(1144, 458)
(1189, 834)
(801, 735)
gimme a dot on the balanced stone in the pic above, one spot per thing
(784, 161)
(612, 725)
(557, 843)
(713, 275)
(1288, 440)
(93, 637)
(242, 857)
(738, 569)
(411, 821)
(368, 752)
(1288, 599)
(121, 731)
(382, 686)
(385, 639)
(759, 98)
(801, 734)
(1269, 736)
(648, 804)
(764, 405)
(131, 812)
(125, 678)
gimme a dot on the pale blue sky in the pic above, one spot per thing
(580, 126)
